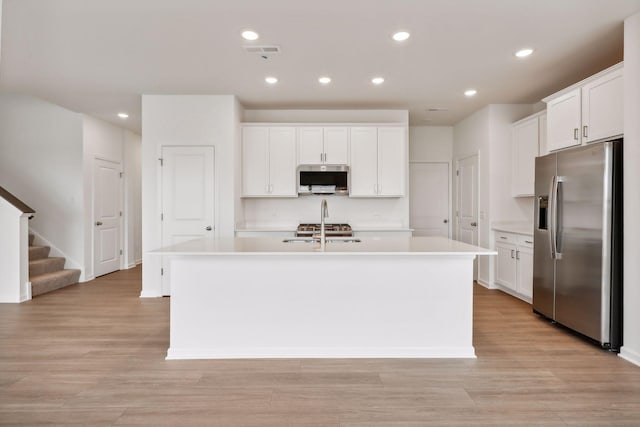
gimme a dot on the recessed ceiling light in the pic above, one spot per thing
(123, 115)
(325, 80)
(250, 35)
(523, 53)
(401, 36)
(271, 80)
(377, 80)
(470, 92)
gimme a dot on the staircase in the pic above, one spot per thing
(47, 273)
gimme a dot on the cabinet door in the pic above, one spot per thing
(506, 265)
(336, 145)
(564, 121)
(255, 161)
(310, 145)
(282, 161)
(391, 161)
(525, 151)
(525, 271)
(602, 107)
(364, 162)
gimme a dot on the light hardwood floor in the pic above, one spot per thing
(93, 354)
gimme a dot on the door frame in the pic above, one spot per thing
(476, 262)
(93, 213)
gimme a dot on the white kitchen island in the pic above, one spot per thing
(263, 298)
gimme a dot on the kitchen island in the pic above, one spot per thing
(265, 298)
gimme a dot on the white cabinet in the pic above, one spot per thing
(602, 107)
(268, 161)
(589, 111)
(514, 264)
(378, 161)
(323, 145)
(526, 142)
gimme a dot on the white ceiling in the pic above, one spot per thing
(99, 56)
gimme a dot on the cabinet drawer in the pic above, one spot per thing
(525, 241)
(505, 237)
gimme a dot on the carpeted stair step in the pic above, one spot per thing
(31, 237)
(45, 265)
(38, 252)
(54, 280)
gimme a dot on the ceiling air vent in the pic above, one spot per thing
(263, 50)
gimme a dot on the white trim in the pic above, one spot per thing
(485, 284)
(629, 355)
(322, 352)
(147, 294)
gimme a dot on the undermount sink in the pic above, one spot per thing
(329, 240)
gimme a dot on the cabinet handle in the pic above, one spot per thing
(576, 134)
(512, 251)
(584, 131)
(325, 157)
(517, 254)
(528, 241)
(503, 238)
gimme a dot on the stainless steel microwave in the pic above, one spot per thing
(323, 179)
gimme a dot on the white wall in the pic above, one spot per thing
(101, 140)
(41, 163)
(430, 143)
(358, 212)
(14, 253)
(132, 198)
(487, 132)
(503, 206)
(186, 120)
(631, 344)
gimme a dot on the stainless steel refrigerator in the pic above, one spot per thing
(577, 273)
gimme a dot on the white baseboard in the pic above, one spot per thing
(329, 352)
(485, 284)
(513, 293)
(144, 294)
(139, 261)
(629, 355)
(131, 265)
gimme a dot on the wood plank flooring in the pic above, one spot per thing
(93, 354)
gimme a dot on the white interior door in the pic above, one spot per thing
(467, 223)
(106, 212)
(429, 199)
(187, 198)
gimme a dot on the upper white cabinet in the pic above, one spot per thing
(588, 111)
(527, 135)
(323, 145)
(269, 161)
(378, 161)
(602, 107)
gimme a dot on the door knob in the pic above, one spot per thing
(208, 228)
(474, 224)
(98, 223)
(446, 221)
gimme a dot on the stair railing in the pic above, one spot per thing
(14, 248)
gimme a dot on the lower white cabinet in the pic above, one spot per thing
(514, 264)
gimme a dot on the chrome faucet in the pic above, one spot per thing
(324, 212)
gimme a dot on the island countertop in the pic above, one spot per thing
(436, 246)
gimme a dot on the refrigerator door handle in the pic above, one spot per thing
(551, 218)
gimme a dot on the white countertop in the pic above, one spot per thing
(437, 246)
(293, 228)
(525, 228)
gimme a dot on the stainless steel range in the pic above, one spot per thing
(332, 230)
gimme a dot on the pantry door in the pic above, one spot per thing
(429, 199)
(188, 197)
